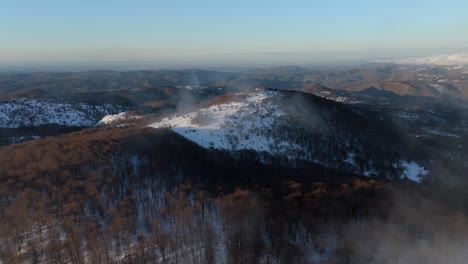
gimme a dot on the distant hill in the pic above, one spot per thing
(89, 81)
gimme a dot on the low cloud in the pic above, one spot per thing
(452, 59)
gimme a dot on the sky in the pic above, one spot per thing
(217, 31)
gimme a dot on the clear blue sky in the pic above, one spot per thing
(118, 30)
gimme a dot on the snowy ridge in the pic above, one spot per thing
(253, 124)
(110, 119)
(32, 112)
(243, 125)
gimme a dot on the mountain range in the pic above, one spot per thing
(280, 165)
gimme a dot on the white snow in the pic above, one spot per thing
(31, 112)
(413, 171)
(14, 140)
(408, 115)
(350, 159)
(341, 99)
(455, 67)
(440, 133)
(438, 87)
(370, 172)
(110, 119)
(245, 125)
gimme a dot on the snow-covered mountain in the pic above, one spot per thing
(31, 112)
(294, 127)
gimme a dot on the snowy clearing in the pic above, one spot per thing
(243, 125)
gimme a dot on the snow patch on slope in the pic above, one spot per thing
(245, 125)
(18, 139)
(440, 133)
(31, 112)
(409, 116)
(110, 119)
(351, 159)
(413, 171)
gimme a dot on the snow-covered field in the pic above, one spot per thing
(245, 125)
(31, 112)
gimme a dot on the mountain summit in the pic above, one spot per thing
(294, 127)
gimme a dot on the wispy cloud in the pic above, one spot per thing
(451, 59)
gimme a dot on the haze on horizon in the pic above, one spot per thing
(226, 33)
